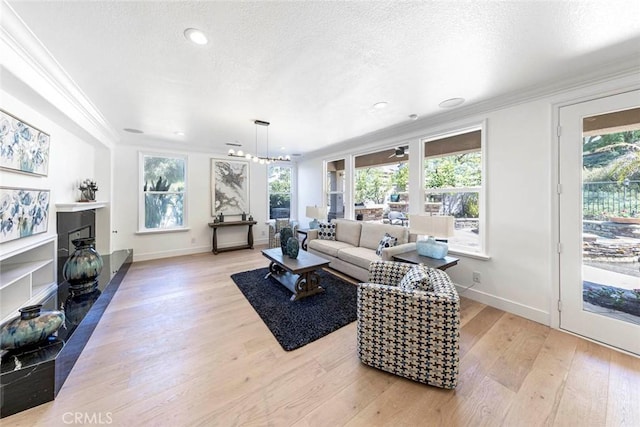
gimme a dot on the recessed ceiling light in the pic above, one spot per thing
(131, 130)
(179, 133)
(451, 102)
(196, 36)
(413, 117)
(380, 105)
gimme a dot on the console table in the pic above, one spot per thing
(216, 225)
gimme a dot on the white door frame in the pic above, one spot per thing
(627, 81)
(593, 326)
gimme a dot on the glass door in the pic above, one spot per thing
(599, 201)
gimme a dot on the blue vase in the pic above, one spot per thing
(285, 233)
(431, 248)
(31, 327)
(293, 247)
(84, 265)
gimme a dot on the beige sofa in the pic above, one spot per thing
(355, 246)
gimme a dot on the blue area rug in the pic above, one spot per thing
(297, 323)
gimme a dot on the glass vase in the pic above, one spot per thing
(31, 327)
(84, 265)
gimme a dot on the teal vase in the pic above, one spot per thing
(84, 265)
(31, 327)
(431, 248)
(285, 234)
(293, 247)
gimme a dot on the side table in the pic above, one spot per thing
(304, 232)
(413, 257)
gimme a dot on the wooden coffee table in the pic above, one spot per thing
(299, 274)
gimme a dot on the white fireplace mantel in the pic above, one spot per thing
(79, 206)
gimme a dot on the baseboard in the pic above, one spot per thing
(189, 251)
(172, 253)
(513, 307)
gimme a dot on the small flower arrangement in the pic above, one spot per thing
(88, 190)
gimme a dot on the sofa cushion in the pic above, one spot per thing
(416, 278)
(329, 247)
(348, 231)
(361, 257)
(372, 233)
(387, 241)
(326, 231)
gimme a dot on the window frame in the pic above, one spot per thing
(481, 252)
(327, 192)
(142, 229)
(291, 186)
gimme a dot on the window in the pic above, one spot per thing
(453, 186)
(335, 186)
(162, 200)
(381, 188)
(280, 179)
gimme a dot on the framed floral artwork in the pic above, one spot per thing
(229, 187)
(23, 147)
(23, 212)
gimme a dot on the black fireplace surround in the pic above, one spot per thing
(34, 375)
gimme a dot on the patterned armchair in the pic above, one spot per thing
(410, 332)
(275, 225)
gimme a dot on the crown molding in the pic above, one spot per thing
(24, 55)
(405, 131)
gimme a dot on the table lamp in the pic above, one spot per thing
(431, 226)
(315, 212)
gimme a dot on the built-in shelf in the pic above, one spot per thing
(26, 276)
(15, 272)
(79, 206)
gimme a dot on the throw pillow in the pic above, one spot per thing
(416, 278)
(387, 241)
(326, 231)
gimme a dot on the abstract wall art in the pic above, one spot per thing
(229, 187)
(23, 212)
(23, 147)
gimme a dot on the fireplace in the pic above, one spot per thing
(71, 226)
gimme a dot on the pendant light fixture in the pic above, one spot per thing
(257, 158)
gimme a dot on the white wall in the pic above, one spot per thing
(70, 159)
(518, 229)
(309, 188)
(198, 238)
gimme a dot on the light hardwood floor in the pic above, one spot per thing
(179, 345)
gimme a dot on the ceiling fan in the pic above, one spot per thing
(400, 151)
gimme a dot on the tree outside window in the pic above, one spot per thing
(453, 186)
(279, 191)
(163, 191)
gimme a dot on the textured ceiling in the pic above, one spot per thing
(314, 69)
